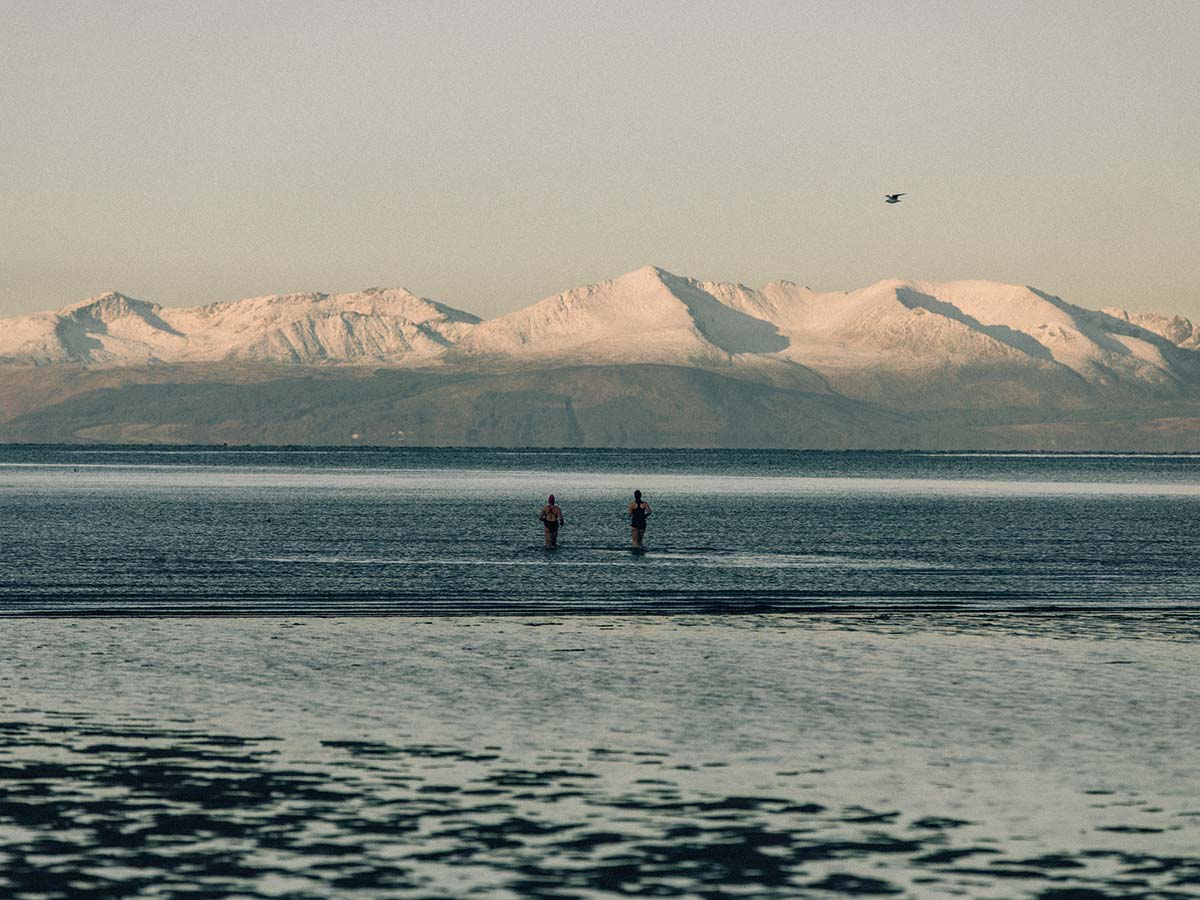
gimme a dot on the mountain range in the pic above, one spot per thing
(649, 358)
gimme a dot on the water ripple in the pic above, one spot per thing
(96, 810)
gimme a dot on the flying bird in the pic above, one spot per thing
(893, 198)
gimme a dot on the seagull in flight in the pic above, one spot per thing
(893, 198)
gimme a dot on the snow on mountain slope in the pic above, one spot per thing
(880, 326)
(1179, 331)
(647, 315)
(112, 329)
(915, 343)
(973, 341)
(1096, 346)
(108, 328)
(908, 326)
(373, 325)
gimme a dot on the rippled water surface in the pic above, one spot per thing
(951, 676)
(94, 530)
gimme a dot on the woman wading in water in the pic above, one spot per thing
(639, 512)
(552, 520)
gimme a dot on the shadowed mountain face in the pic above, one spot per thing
(589, 406)
(728, 329)
(639, 406)
(1018, 340)
(649, 358)
(645, 316)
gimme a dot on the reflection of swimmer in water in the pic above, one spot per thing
(552, 520)
(639, 511)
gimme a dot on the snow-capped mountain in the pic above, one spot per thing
(1176, 329)
(647, 315)
(372, 326)
(1014, 343)
(646, 359)
(1007, 343)
(905, 341)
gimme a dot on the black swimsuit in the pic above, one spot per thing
(638, 517)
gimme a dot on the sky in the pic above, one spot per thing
(488, 154)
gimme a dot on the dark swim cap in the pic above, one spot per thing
(551, 499)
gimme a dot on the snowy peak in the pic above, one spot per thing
(610, 317)
(647, 315)
(1179, 331)
(116, 316)
(372, 326)
(377, 325)
(730, 317)
(110, 306)
(108, 329)
(973, 340)
(910, 326)
(1101, 348)
(385, 326)
(388, 302)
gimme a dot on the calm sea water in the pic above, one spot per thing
(423, 531)
(236, 674)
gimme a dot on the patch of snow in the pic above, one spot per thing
(891, 329)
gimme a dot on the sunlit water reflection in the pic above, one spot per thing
(952, 676)
(409, 532)
(593, 757)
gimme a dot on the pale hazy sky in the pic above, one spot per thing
(489, 154)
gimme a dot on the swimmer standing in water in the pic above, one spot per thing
(552, 520)
(639, 510)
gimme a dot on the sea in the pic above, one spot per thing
(357, 672)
